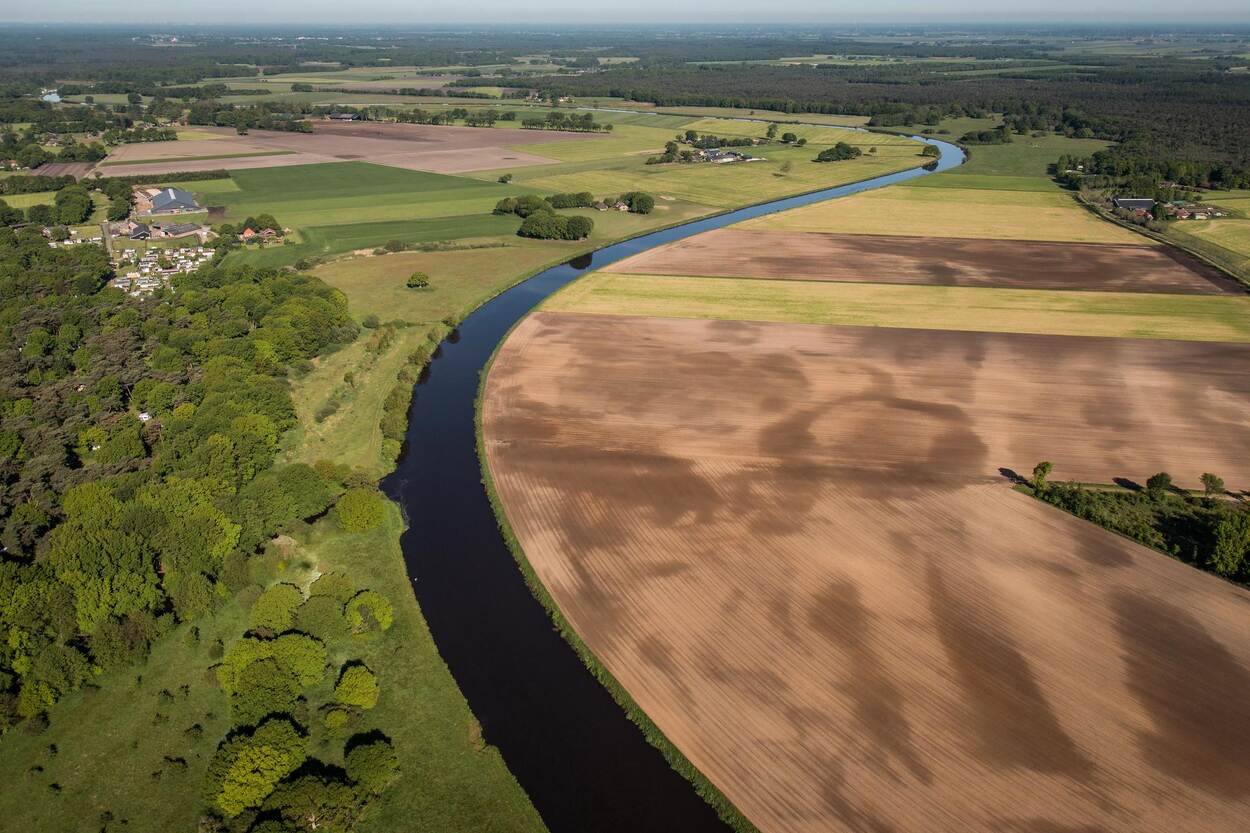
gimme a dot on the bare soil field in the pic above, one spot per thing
(75, 169)
(437, 148)
(743, 253)
(794, 548)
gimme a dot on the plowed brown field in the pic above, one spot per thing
(743, 253)
(793, 546)
(422, 147)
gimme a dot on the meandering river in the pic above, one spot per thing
(585, 766)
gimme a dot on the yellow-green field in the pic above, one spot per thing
(1225, 241)
(954, 212)
(1114, 314)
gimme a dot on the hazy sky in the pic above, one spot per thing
(634, 11)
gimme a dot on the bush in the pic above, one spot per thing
(357, 686)
(373, 766)
(506, 206)
(505, 179)
(322, 617)
(418, 280)
(530, 204)
(275, 609)
(838, 152)
(582, 199)
(394, 245)
(360, 510)
(548, 226)
(370, 322)
(368, 609)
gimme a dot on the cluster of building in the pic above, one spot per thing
(721, 156)
(136, 230)
(152, 269)
(1149, 209)
(74, 239)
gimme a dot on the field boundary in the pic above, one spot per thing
(709, 792)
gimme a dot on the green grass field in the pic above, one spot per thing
(955, 212)
(1024, 156)
(352, 193)
(1113, 314)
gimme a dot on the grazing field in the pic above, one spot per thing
(954, 212)
(793, 547)
(983, 309)
(739, 252)
(357, 192)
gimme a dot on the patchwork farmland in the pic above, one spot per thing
(765, 474)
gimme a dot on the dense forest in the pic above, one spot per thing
(137, 439)
(1188, 109)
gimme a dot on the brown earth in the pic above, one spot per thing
(421, 147)
(793, 547)
(75, 169)
(743, 253)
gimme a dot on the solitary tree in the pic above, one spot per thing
(1158, 484)
(1212, 484)
(1040, 472)
(418, 280)
(772, 131)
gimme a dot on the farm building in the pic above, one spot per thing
(173, 201)
(175, 229)
(140, 232)
(345, 117)
(1135, 204)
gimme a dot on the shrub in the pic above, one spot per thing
(530, 204)
(335, 585)
(322, 617)
(336, 718)
(505, 179)
(246, 768)
(372, 767)
(578, 227)
(275, 609)
(367, 609)
(838, 152)
(418, 280)
(581, 199)
(263, 688)
(506, 206)
(357, 686)
(1158, 484)
(360, 510)
(394, 245)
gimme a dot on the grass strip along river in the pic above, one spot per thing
(572, 748)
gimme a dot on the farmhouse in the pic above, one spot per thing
(345, 117)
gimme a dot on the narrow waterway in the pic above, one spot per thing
(585, 766)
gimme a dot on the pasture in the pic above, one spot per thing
(954, 212)
(803, 530)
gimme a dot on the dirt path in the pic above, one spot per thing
(793, 546)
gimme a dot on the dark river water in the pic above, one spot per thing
(585, 766)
